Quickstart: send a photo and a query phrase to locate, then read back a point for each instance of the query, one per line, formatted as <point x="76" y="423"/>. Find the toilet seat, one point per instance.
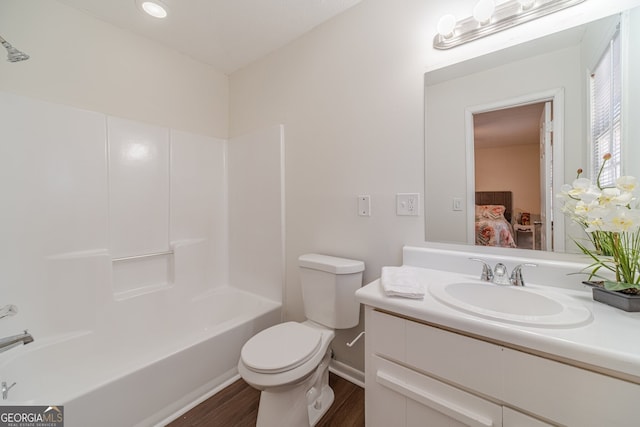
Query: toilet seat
<point x="281" y="348"/>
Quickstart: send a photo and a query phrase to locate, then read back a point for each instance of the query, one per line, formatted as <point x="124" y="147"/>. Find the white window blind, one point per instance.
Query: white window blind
<point x="606" y="105"/>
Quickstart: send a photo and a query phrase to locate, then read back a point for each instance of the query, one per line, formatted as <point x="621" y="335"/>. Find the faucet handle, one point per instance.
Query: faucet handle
<point x="487" y="273"/>
<point x="516" y="275"/>
<point x="8" y="310"/>
<point x="500" y="274"/>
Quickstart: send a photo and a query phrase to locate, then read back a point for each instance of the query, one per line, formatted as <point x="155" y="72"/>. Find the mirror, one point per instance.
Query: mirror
<point x="553" y="67"/>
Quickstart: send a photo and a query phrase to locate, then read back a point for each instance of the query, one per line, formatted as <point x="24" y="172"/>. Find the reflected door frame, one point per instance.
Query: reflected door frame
<point x="556" y="175"/>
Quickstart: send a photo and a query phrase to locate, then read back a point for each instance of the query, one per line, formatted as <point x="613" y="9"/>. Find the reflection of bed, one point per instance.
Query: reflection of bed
<point x="493" y="219"/>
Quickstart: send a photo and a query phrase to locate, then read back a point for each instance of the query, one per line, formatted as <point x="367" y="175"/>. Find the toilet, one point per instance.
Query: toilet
<point x="289" y="362"/>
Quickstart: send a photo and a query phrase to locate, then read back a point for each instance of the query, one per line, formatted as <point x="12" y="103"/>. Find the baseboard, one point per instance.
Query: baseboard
<point x="347" y="372"/>
<point x="197" y="401"/>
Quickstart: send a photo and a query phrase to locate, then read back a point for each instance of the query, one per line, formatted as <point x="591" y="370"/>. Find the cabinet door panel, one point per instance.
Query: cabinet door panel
<point x="511" y="418"/>
<point x="462" y="360"/>
<point x="384" y="406"/>
<point x="423" y="416"/>
<point x="432" y="401"/>
<point x="387" y="335"/>
<point x="567" y="394"/>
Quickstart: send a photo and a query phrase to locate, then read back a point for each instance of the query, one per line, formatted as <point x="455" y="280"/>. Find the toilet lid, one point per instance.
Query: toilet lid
<point x="281" y="348"/>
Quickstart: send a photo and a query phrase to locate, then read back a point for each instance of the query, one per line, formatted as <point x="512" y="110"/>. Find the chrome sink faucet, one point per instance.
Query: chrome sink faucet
<point x="15" y="340"/>
<point x="499" y="274"/>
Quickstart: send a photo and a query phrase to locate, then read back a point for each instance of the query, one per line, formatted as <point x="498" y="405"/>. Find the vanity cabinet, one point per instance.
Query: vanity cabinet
<point x="421" y="375"/>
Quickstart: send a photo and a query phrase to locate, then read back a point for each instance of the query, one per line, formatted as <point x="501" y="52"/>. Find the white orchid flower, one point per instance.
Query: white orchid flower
<point x="624" y="199"/>
<point x="627" y="183"/>
<point x="609" y="197"/>
<point x="583" y="209"/>
<point x="579" y="187"/>
<point x="592" y="194"/>
<point x="621" y="220"/>
<point x="594" y="224"/>
<point x="611" y="218"/>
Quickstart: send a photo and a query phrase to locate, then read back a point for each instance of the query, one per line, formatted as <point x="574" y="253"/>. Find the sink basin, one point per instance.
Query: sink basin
<point x="512" y="304"/>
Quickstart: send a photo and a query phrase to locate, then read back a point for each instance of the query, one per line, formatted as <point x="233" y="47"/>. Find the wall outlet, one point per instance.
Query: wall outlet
<point x="364" y="205"/>
<point x="408" y="204"/>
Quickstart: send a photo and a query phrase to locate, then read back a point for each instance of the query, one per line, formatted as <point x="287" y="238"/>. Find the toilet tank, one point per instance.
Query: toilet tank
<point x="328" y="289"/>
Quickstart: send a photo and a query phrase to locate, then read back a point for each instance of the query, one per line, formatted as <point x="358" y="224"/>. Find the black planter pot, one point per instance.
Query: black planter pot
<point x="626" y="302"/>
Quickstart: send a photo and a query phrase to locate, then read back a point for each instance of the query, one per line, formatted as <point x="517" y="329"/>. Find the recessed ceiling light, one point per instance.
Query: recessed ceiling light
<point x="154" y="8"/>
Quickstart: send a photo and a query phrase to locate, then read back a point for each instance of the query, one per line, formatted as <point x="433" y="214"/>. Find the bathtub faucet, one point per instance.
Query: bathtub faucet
<point x="5" y="389"/>
<point x="15" y="340"/>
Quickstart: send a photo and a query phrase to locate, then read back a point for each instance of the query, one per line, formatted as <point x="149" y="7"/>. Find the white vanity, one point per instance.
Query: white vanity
<point x="550" y="355"/>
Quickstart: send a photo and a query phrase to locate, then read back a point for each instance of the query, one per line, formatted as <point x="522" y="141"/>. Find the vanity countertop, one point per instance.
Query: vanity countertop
<point x="609" y="342"/>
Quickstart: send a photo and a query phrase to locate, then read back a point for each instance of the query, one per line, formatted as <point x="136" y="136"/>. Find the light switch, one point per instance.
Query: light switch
<point x="364" y="205"/>
<point x="457" y="204"/>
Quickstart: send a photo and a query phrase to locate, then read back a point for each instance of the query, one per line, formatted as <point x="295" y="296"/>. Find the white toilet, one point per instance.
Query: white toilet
<point x="289" y="362"/>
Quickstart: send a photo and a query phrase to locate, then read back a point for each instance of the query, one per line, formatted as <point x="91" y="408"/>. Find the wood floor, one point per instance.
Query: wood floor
<point x="237" y="406"/>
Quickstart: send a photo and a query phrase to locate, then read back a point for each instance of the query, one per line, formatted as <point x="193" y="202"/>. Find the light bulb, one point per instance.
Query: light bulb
<point x="483" y="10"/>
<point x="446" y="25"/>
<point x="526" y="4"/>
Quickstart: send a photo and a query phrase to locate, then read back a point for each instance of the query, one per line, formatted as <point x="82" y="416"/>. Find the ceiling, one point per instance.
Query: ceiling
<point x="510" y="126"/>
<point x="226" y="34"/>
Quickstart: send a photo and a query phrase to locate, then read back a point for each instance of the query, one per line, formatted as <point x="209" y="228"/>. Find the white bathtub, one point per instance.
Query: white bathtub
<point x="123" y="375"/>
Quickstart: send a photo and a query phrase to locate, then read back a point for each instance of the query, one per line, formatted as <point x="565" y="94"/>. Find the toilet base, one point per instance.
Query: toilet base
<point x="297" y="405"/>
<point x="318" y="408"/>
<point x="293" y="409"/>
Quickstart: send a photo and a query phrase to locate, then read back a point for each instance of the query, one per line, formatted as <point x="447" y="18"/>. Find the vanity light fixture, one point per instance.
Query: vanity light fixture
<point x="488" y="19"/>
<point x="154" y="8"/>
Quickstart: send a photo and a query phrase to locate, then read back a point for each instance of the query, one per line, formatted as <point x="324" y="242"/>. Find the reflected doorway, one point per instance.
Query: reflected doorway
<point x="512" y="162"/>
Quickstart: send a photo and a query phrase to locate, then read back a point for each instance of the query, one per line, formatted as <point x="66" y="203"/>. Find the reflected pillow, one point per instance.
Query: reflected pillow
<point x="490" y="212"/>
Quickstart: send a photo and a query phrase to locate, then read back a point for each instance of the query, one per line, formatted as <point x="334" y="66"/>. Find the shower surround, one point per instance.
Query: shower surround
<point x="118" y="246"/>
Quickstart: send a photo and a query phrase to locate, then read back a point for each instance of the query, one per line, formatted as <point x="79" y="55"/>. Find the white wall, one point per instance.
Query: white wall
<point x="256" y="211"/>
<point x="81" y="61"/>
<point x="350" y="97"/>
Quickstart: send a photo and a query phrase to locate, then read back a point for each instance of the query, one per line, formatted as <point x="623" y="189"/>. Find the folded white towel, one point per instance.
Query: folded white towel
<point x="401" y="282"/>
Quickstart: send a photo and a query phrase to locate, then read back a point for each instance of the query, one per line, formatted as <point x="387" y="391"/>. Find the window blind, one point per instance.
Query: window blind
<point x="606" y="102"/>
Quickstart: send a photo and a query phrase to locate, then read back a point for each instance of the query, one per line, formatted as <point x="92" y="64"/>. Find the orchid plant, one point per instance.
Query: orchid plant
<point x="610" y="216"/>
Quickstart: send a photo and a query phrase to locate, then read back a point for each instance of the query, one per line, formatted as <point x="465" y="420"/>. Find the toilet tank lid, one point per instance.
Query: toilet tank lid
<point x="330" y="264"/>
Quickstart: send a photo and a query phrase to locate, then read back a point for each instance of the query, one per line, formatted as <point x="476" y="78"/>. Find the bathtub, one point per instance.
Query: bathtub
<point x="141" y="373"/>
